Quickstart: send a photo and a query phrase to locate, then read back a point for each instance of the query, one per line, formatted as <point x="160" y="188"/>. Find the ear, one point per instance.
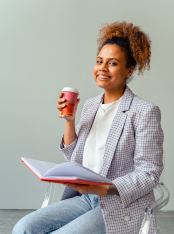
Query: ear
<point x="130" y="71"/>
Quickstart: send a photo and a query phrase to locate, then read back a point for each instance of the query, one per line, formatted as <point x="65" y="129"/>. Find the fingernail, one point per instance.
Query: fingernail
<point x="63" y="99"/>
<point x="63" y="104"/>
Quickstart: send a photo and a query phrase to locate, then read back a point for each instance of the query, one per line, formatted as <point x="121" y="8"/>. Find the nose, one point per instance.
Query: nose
<point x="103" y="67"/>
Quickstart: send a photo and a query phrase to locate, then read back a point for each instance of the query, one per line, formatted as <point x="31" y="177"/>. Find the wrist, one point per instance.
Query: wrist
<point x="70" y="122"/>
<point x="107" y="188"/>
<point x="103" y="190"/>
<point x="112" y="190"/>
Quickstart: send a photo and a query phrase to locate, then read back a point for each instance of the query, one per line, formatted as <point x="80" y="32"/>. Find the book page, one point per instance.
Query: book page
<point x="37" y="166"/>
<point x="76" y="171"/>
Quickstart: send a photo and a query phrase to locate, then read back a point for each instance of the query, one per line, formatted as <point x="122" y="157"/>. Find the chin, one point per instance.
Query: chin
<point x="101" y="84"/>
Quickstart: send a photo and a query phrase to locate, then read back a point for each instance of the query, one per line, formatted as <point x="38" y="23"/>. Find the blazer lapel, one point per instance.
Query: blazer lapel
<point x="115" y="130"/>
<point x="114" y="133"/>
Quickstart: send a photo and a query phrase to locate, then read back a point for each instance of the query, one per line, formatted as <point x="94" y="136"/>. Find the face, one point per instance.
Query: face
<point x="110" y="72"/>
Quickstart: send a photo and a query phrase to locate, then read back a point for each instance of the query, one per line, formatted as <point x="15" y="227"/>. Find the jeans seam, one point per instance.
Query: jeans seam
<point x="52" y="229"/>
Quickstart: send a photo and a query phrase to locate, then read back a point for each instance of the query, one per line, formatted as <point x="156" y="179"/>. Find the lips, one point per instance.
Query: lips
<point x="103" y="77"/>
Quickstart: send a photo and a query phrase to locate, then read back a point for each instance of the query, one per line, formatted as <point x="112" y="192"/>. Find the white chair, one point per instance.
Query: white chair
<point x="49" y="196"/>
<point x="162" y="196"/>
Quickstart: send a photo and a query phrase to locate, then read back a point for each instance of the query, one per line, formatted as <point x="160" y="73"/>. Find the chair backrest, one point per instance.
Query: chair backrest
<point x="163" y="195"/>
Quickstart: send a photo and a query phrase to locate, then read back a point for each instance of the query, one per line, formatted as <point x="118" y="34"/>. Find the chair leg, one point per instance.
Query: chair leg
<point x="49" y="196"/>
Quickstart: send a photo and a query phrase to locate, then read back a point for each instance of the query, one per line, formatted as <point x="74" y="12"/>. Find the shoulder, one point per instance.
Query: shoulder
<point x="143" y="110"/>
<point x="136" y="107"/>
<point x="143" y="106"/>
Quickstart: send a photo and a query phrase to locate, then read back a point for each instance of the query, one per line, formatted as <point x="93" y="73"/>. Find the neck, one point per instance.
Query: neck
<point x="113" y="95"/>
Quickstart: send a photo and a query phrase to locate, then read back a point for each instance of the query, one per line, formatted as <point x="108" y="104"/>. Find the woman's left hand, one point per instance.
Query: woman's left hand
<point x="91" y="189"/>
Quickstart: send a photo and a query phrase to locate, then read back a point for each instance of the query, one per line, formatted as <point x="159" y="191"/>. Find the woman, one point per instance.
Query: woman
<point x="119" y="136"/>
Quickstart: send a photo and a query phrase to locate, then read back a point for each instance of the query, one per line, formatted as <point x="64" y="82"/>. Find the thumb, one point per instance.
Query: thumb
<point x="78" y="100"/>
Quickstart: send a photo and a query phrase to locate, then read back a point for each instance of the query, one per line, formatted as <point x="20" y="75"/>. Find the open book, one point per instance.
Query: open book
<point x="70" y="172"/>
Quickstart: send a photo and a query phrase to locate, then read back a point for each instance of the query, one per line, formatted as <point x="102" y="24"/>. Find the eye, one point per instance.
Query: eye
<point x="98" y="61"/>
<point x="112" y="63"/>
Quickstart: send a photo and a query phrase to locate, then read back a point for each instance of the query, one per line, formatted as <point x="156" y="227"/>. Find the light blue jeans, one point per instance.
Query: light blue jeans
<point x="78" y="215"/>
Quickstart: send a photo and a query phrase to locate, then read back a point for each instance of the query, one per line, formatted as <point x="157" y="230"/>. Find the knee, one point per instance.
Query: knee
<point x="22" y="227"/>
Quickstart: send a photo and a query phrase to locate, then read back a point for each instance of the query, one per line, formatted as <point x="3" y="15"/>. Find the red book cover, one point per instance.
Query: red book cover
<point x="70" y="172"/>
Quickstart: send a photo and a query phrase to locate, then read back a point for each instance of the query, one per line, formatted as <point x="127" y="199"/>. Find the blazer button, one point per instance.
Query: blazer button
<point x="127" y="218"/>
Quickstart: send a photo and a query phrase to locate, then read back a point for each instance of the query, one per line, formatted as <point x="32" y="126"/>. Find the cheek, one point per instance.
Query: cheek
<point x="117" y="72"/>
<point x="95" y="70"/>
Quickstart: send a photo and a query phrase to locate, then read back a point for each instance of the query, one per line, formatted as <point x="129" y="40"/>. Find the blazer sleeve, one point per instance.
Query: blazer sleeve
<point x="148" y="158"/>
<point x="68" y="150"/>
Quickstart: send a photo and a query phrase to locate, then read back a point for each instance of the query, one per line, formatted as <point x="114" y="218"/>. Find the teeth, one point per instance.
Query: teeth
<point x="105" y="77"/>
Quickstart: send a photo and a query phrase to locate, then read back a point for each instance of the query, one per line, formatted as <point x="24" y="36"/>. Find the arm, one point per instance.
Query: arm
<point x="148" y="158"/>
<point x="102" y="190"/>
<point x="70" y="136"/>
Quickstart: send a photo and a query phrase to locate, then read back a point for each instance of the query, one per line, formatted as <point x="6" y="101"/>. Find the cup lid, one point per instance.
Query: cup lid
<point x="70" y="89"/>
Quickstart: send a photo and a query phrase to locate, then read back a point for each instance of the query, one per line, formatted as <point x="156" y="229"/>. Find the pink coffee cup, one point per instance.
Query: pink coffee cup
<point x="70" y="94"/>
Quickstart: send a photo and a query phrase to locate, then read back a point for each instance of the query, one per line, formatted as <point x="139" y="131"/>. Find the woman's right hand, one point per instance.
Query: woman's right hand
<point x="62" y="104"/>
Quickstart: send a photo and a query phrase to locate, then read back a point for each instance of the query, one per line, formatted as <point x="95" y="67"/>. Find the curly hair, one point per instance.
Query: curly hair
<point x="135" y="43"/>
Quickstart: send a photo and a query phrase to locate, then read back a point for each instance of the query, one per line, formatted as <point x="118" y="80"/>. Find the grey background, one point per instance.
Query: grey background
<point x="48" y="44"/>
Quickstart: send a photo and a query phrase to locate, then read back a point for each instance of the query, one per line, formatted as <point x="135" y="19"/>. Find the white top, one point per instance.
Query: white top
<point x="96" y="139"/>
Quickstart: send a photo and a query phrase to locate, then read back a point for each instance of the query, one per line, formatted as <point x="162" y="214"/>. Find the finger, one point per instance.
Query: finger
<point x="61" y="116"/>
<point x="77" y="103"/>
<point x="77" y="187"/>
<point x="61" y="95"/>
<point x="78" y="100"/>
<point x="61" y="100"/>
<point x="69" y="117"/>
<point x="72" y="185"/>
<point x="60" y="107"/>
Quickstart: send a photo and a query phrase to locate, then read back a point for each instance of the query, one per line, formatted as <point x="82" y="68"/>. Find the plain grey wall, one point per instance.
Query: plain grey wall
<point x="48" y="44"/>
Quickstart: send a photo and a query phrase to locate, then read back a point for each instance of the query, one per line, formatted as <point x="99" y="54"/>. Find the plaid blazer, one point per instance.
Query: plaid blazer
<point x="133" y="160"/>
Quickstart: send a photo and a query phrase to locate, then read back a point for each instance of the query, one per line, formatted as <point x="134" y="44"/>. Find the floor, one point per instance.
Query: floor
<point x="8" y="218"/>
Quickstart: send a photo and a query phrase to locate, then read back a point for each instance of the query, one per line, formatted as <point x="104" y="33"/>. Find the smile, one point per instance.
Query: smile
<point x="100" y="77"/>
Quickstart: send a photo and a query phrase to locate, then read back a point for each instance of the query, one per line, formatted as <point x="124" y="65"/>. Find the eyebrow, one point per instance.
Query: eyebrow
<point x="109" y="58"/>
